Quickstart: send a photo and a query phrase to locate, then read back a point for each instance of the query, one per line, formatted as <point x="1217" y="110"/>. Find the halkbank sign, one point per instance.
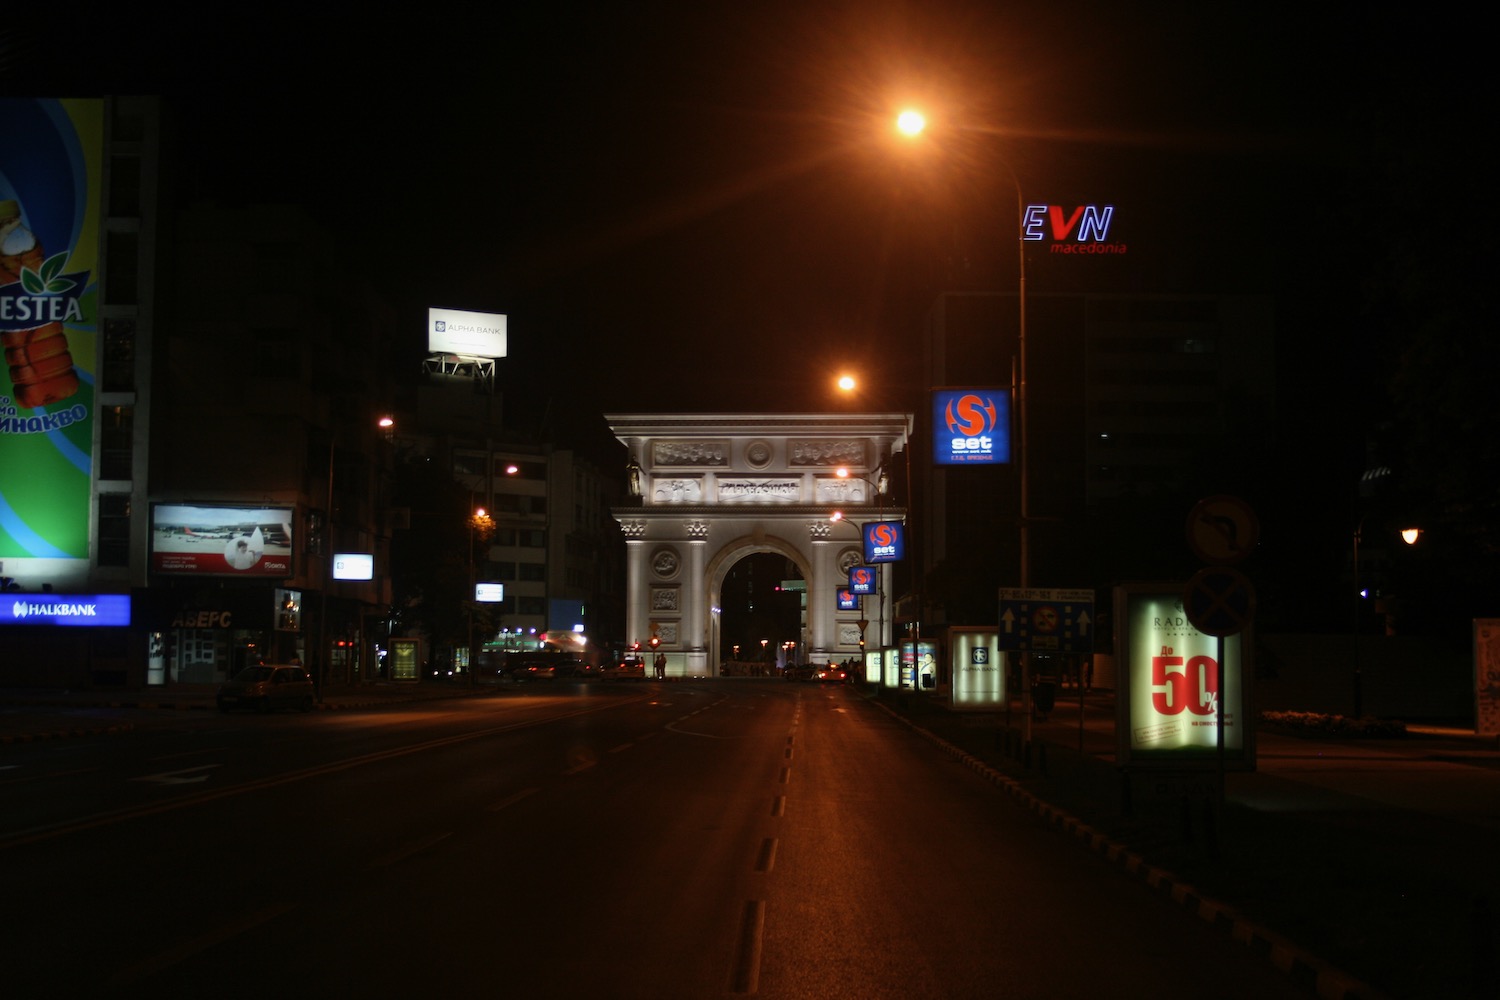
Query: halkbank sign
<point x="50" y="220"/>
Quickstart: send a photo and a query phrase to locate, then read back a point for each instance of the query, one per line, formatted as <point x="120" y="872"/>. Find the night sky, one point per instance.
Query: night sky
<point x="708" y="195"/>
<point x="685" y="205"/>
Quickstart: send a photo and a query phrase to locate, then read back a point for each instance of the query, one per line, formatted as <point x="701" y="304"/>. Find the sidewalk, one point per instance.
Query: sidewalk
<point x="1362" y="868"/>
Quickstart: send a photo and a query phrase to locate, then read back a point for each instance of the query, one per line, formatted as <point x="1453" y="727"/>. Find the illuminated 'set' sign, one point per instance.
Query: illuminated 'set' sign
<point x="1083" y="230"/>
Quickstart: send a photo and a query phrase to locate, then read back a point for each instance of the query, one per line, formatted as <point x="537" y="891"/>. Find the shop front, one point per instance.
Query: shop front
<point x="202" y="634"/>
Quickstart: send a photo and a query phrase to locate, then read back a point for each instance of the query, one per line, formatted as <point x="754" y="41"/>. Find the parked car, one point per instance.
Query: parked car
<point x="532" y="667"/>
<point x="831" y="673"/>
<point x="626" y="668"/>
<point x="582" y="670"/>
<point x="268" y="686"/>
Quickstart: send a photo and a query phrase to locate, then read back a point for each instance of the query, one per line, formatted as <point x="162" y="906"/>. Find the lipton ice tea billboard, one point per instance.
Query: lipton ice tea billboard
<point x="1172" y="681"/>
<point x="50" y="221"/>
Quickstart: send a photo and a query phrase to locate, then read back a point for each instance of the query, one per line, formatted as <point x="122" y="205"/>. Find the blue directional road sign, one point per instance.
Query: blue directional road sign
<point x="1045" y="620"/>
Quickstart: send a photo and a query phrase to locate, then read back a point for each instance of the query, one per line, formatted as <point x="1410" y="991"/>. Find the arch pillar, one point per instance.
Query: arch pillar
<point x="824" y="579"/>
<point x="697" y="605"/>
<point x="637" y="624"/>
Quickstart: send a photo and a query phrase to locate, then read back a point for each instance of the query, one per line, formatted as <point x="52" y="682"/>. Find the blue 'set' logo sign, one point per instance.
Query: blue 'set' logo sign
<point x="970" y="425"/>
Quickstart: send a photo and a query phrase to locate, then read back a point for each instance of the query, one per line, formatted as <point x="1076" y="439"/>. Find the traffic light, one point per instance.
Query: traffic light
<point x="655" y="641"/>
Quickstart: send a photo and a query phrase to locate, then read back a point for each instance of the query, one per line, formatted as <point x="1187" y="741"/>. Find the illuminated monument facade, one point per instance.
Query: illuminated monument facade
<point x="711" y="489"/>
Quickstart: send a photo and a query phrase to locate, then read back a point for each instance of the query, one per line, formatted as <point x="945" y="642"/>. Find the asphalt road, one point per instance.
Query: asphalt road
<point x="729" y="838"/>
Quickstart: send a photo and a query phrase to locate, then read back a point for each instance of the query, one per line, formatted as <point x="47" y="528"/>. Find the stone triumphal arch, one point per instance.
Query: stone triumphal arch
<point x="709" y="489"/>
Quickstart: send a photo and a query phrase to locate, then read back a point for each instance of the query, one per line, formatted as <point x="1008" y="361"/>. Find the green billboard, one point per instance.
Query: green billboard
<point x="51" y="181"/>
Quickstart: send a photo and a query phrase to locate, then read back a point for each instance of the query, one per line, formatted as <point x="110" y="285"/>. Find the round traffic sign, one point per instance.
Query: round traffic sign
<point x="1222" y="529"/>
<point x="1219" y="601"/>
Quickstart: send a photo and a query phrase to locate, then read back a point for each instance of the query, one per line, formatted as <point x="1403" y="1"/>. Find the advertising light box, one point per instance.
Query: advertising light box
<point x="1171" y="679"/>
<point x="353" y="566"/>
<point x="213" y="540"/>
<point x="50" y="228"/>
<point x="862" y="579"/>
<point x="847" y="600"/>
<point x="970" y="426"/>
<point x="919" y="663"/>
<point x="489" y="593"/>
<point x="976" y="668"/>
<point x="454" y="331"/>
<point x="885" y="541"/>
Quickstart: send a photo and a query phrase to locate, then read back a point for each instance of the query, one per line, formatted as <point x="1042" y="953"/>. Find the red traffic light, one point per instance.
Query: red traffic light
<point x="655" y="642"/>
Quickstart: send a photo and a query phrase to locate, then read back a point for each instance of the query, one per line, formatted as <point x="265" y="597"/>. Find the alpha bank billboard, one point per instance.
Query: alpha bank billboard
<point x="454" y="331"/>
<point x="50" y="218"/>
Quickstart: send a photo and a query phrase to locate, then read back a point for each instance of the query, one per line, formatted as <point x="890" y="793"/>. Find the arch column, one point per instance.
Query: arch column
<point x="697" y="600"/>
<point x="819" y="605"/>
<point x="637" y="624"/>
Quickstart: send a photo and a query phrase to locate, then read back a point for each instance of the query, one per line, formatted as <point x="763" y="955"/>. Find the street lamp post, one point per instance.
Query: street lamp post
<point x="881" y="485"/>
<point x="1409" y="536"/>
<point x="912" y="123"/>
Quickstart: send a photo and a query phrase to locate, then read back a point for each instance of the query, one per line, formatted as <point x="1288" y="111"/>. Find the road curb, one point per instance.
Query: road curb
<point x="1297" y="963"/>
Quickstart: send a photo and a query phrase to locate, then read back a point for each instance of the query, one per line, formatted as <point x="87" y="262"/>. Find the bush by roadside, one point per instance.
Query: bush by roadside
<point x="1322" y="724"/>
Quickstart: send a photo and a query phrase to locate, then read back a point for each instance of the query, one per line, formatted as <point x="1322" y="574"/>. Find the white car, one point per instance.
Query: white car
<point x="627" y="668"/>
<point x="268" y="686"/>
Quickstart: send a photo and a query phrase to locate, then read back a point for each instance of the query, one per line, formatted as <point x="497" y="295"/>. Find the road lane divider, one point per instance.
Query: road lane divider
<point x="512" y="799"/>
<point x="766" y="860"/>
<point x="409" y="851"/>
<point x="746" y="977"/>
<point x="187" y="949"/>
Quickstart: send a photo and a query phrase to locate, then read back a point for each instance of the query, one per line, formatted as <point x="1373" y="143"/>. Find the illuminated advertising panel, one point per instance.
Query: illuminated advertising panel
<point x="862" y="579"/>
<point x="86" y="610"/>
<point x="885" y="541"/>
<point x="847" y="600"/>
<point x="890" y="667"/>
<point x="489" y="593"/>
<point x="453" y="331"/>
<point x="919" y="660"/>
<point x="50" y="188"/>
<point x="970" y="426"/>
<point x="353" y="566"/>
<point x="1172" y="678"/>
<point x="872" y="666"/>
<point x="210" y="540"/>
<point x="976" y="668"/>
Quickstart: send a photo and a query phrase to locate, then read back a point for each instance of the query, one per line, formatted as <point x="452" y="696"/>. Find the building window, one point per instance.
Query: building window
<point x="124" y="263"/>
<point x="114" y="529"/>
<point x="125" y="186"/>
<point x="119" y="355"/>
<point x="503" y="571"/>
<point x="512" y="468"/>
<point x="531" y="605"/>
<point x="468" y="463"/>
<point x="533" y="572"/>
<point x="533" y="539"/>
<point x="116" y="434"/>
